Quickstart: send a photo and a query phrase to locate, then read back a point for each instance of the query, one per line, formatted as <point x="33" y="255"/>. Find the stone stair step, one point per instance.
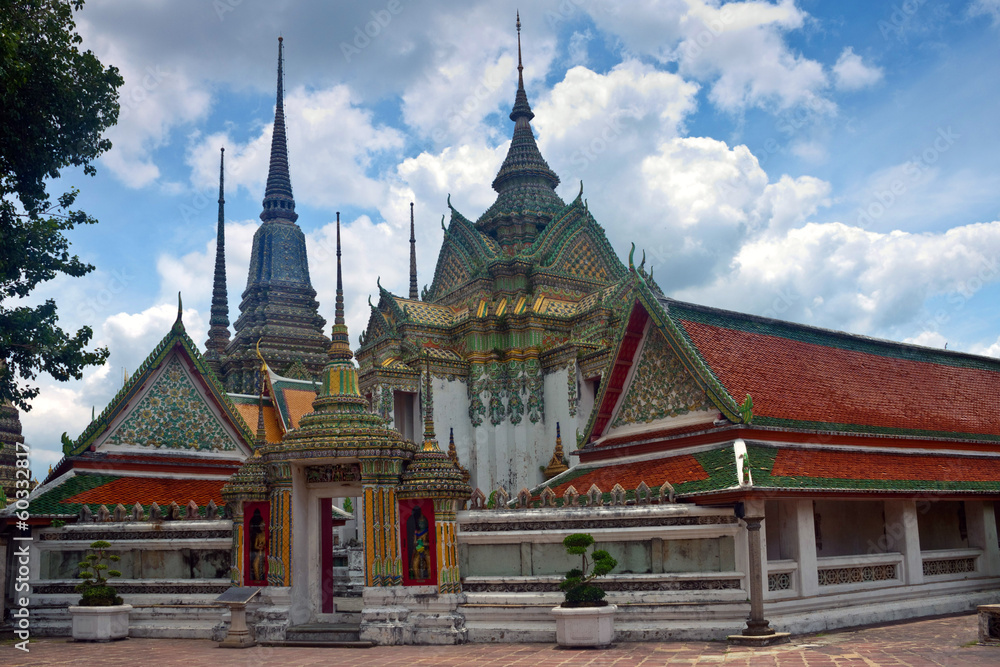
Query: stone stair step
<point x="324" y="632"/>
<point x="320" y="644"/>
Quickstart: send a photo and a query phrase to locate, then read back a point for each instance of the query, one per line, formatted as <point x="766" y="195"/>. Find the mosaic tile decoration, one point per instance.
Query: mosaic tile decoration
<point x="660" y="387"/>
<point x="172" y="414"/>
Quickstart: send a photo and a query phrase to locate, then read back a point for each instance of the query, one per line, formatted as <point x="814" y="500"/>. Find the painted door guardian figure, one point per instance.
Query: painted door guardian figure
<point x="417" y="542"/>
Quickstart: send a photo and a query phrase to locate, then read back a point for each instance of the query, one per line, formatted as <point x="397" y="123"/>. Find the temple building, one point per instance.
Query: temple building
<point x="749" y="475"/>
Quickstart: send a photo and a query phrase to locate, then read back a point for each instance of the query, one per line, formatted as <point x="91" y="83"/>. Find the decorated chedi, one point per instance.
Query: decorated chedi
<point x="10" y="439"/>
<point x="341" y="428"/>
<point x="279" y="312"/>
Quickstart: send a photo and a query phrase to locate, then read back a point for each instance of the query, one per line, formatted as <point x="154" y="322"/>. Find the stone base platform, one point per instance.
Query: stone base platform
<point x="759" y="640"/>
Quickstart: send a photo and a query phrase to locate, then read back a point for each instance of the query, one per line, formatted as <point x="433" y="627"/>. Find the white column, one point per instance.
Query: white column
<point x="902" y="535"/>
<point x="983" y="535"/>
<point x="805" y="538"/>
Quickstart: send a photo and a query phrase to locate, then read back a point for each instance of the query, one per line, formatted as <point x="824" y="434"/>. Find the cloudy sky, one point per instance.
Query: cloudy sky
<point x="830" y="163"/>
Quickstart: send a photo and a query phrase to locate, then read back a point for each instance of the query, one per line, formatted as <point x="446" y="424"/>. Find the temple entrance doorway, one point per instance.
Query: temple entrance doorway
<point x="325" y="543"/>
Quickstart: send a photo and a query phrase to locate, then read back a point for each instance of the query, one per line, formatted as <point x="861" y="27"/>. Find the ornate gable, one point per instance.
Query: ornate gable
<point x="660" y="387"/>
<point x="171" y="414"/>
<point x="463" y="252"/>
<point x="173" y="395"/>
<point x="575" y="245"/>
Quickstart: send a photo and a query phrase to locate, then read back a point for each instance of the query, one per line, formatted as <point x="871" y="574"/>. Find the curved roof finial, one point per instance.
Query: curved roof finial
<point x="180" y="308"/>
<point x="443" y="228"/>
<point x="631" y="264"/>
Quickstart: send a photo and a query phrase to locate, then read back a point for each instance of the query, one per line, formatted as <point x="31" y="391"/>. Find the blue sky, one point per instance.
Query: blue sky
<point x="830" y="163"/>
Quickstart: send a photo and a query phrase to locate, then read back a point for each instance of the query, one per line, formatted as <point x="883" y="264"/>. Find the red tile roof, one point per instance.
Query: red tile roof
<point x="676" y="470"/>
<point x="821" y="382"/>
<point x="146" y="490"/>
<point x="879" y="466"/>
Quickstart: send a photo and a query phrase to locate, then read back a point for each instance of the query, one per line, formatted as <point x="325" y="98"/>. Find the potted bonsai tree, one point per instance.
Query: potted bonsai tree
<point x="585" y="619"/>
<point x="101" y="614"/>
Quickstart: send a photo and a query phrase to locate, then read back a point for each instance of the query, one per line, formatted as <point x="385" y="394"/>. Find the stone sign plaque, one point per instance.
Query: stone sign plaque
<point x="239" y="595"/>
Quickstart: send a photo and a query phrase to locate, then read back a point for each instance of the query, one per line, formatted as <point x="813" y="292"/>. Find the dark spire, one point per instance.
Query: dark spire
<point x="340" y="347"/>
<point x="525" y="185"/>
<point x="413" y="259"/>
<point x="218" y="323"/>
<point x="279" y="305"/>
<point x="278" y="201"/>
<point x="521" y="107"/>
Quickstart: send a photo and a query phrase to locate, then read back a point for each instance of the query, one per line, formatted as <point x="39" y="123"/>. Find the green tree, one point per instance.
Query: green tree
<point x="55" y="103"/>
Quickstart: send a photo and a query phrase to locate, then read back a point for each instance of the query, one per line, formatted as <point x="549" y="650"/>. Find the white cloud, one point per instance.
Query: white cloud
<point x="989" y="8"/>
<point x="737" y="47"/>
<point x="851" y="73"/>
<point x="854" y="279"/>
<point x="927" y="339"/>
<point x="332" y="144"/>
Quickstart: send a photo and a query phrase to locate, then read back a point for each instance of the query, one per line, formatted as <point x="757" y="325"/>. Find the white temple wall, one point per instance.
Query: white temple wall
<point x="505" y="454"/>
<point x="451" y="411"/>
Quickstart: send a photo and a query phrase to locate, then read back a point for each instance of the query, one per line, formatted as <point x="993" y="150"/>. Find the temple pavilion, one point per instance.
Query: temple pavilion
<point x="748" y="474"/>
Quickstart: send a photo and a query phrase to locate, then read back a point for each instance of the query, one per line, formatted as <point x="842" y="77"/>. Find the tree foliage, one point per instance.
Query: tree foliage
<point x="55" y="103"/>
<point x="94" y="589"/>
<point x="577" y="586"/>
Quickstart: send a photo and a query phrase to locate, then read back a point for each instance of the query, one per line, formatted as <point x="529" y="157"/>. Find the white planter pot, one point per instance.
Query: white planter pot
<point x="585" y="626"/>
<point x="100" y="624"/>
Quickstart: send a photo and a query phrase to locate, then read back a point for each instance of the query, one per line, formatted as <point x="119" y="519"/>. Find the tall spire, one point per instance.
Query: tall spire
<point x="279" y="306"/>
<point x="340" y="347"/>
<point x="413" y="259"/>
<point x="278" y="201"/>
<point x="525" y="185"/>
<point x="521" y="107"/>
<point x="218" y="323"/>
<point x="430" y="439"/>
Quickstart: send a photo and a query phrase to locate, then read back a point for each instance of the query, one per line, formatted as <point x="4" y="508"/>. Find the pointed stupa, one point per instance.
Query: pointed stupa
<point x="218" y="323"/>
<point x="10" y="440"/>
<point x="279" y="306"/>
<point x="340" y="423"/>
<point x="413" y="259"/>
<point x="526" y="197"/>
<point x="556" y="464"/>
<point x="432" y="474"/>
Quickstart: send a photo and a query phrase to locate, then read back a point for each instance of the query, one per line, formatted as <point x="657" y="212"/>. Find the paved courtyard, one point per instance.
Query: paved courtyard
<point x="942" y="641"/>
